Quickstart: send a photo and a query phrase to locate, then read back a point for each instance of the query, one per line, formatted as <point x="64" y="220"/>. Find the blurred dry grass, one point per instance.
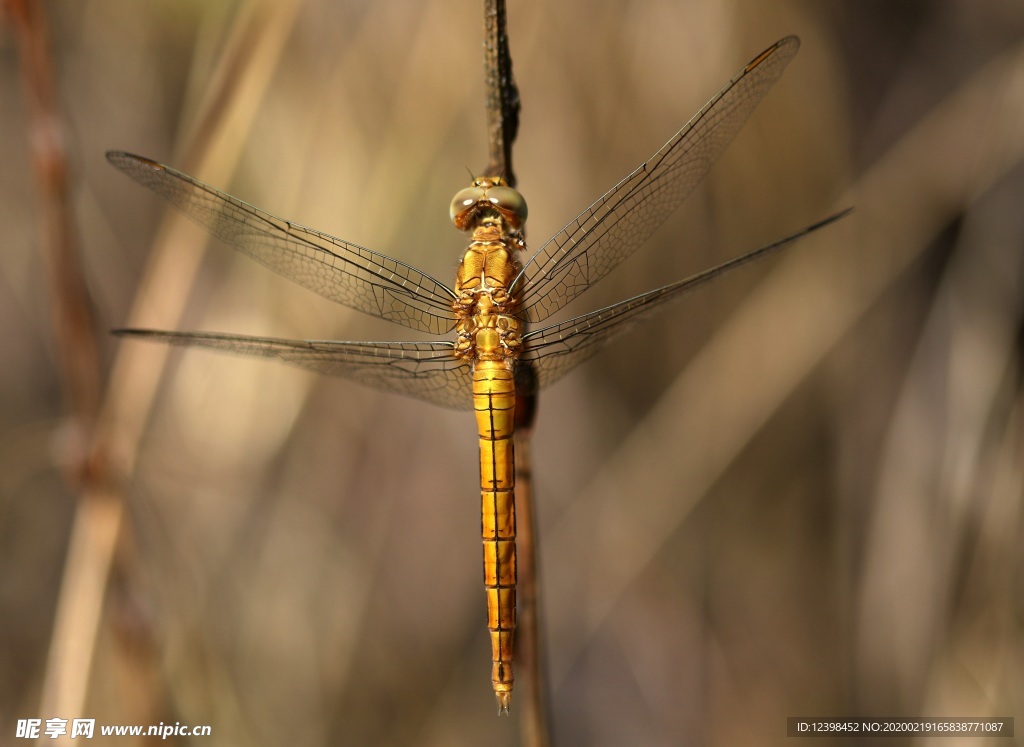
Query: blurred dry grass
<point x="798" y="493"/>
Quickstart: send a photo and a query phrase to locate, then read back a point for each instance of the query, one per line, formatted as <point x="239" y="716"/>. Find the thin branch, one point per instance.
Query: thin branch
<point x="502" y="94"/>
<point x="529" y="651"/>
<point x="99" y="509"/>
<point x="71" y="308"/>
<point x="502" y="128"/>
<point x="108" y="432"/>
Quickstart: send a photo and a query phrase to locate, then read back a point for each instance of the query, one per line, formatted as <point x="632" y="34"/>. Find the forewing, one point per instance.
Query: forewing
<point x="611" y="229"/>
<point x="559" y="348"/>
<point x="349" y="274"/>
<point x="424" y="370"/>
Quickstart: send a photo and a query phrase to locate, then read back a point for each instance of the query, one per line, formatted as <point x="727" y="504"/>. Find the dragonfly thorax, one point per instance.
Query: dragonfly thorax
<point x="486" y="305"/>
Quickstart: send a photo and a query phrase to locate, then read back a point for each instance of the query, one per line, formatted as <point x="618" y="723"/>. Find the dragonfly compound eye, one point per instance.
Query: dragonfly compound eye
<point x="474" y="201"/>
<point x="463" y="205"/>
<point x="509" y="203"/>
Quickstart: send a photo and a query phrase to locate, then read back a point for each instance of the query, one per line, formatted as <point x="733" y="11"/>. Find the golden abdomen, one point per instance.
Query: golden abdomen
<point x="494" y="403"/>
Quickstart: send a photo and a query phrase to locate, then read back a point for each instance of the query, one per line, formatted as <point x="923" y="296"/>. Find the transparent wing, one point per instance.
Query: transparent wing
<point x="611" y="229"/>
<point x="349" y="274"/>
<point x="556" y="350"/>
<point x="424" y="370"/>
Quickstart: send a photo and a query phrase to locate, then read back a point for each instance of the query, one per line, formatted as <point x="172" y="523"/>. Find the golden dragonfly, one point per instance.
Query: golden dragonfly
<point x="496" y="299"/>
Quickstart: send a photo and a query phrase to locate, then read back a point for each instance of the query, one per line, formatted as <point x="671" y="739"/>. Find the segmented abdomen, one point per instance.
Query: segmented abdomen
<point x="494" y="402"/>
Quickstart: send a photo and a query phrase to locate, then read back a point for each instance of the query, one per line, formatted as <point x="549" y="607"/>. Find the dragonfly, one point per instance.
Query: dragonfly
<point x="496" y="307"/>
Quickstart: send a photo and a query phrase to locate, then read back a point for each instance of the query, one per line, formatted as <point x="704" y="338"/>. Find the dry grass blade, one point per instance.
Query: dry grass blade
<point x="229" y="105"/>
<point x="73" y="319"/>
<point x="98" y="512"/>
<point x="711" y="389"/>
<point x="99" y="523"/>
<point x="937" y="500"/>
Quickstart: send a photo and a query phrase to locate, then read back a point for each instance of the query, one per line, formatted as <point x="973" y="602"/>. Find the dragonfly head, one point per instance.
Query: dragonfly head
<point x="489" y="199"/>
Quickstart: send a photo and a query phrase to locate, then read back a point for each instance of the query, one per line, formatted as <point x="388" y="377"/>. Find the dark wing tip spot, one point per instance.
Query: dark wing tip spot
<point x="120" y="157"/>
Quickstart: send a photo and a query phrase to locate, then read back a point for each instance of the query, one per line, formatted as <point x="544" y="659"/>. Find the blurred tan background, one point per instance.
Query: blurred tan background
<point x="796" y="493"/>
